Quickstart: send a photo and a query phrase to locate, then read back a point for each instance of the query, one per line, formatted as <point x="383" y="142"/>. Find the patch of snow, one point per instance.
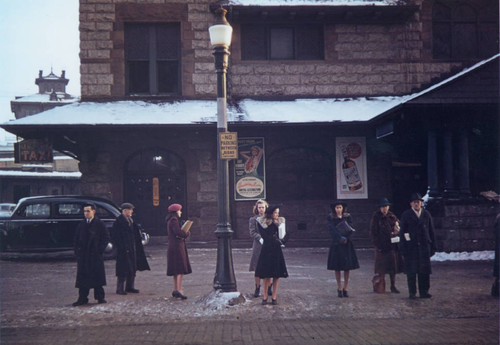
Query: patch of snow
<point x="463" y="256"/>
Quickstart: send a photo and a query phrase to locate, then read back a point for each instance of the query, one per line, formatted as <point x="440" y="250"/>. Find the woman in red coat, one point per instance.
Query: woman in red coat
<point x="177" y="257"/>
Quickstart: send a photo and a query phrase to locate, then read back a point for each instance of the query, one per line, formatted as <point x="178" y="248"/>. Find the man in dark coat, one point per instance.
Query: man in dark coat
<point x="130" y="256"/>
<point x="91" y="239"/>
<point x="417" y="246"/>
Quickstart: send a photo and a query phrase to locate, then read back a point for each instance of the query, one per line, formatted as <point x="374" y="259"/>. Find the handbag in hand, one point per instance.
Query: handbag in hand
<point x="344" y="229"/>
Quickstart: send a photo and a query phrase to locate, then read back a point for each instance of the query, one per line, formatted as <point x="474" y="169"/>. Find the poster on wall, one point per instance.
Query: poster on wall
<point x="351" y="168"/>
<point x="249" y="170"/>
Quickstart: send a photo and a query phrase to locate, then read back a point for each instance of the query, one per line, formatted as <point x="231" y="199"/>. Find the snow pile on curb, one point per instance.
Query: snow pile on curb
<point x="474" y="256"/>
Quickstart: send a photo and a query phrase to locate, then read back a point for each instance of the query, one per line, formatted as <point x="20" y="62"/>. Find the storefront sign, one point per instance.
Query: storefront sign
<point x="351" y="168"/>
<point x="249" y="170"/>
<point x="228" y="143"/>
<point x="156" y="191"/>
<point x="33" y="151"/>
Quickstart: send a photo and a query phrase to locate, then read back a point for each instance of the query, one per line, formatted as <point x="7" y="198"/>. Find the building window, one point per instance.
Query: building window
<point x="460" y="31"/>
<point x="282" y="42"/>
<point x="152" y="58"/>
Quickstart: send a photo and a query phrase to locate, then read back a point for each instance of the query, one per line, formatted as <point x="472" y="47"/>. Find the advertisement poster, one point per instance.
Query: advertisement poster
<point x="249" y="170"/>
<point x="351" y="168"/>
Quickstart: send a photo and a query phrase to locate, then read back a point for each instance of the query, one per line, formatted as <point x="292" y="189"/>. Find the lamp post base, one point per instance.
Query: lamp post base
<point x="224" y="279"/>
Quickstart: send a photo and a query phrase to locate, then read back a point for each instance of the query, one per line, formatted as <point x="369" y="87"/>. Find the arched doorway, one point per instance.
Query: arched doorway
<point x="154" y="178"/>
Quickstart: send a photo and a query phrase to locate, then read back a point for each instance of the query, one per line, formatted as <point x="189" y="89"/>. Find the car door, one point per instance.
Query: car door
<point x="29" y="228"/>
<point x="67" y="215"/>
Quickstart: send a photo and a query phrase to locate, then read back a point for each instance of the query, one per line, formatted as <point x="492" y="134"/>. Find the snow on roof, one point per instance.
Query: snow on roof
<point x="195" y="112"/>
<point x="312" y="2"/>
<point x="45" y="98"/>
<point x="452" y="78"/>
<point x="38" y="174"/>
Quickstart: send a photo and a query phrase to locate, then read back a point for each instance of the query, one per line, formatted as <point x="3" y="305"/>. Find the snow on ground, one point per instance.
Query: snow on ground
<point x="463" y="256"/>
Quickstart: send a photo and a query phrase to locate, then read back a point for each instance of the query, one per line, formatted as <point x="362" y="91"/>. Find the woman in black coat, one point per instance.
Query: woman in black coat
<point x="177" y="256"/>
<point x="384" y="230"/>
<point x="271" y="263"/>
<point x="130" y="256"/>
<point x="342" y="256"/>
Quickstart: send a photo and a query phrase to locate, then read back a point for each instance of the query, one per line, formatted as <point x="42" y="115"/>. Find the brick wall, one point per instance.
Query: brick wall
<point x="360" y="60"/>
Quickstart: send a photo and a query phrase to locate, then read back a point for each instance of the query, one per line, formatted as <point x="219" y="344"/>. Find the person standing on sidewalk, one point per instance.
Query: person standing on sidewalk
<point x="342" y="255"/>
<point x="259" y="210"/>
<point x="130" y="256"/>
<point x="91" y="239"/>
<point x="177" y="256"/>
<point x="384" y="231"/>
<point x="418" y="245"/>
<point x="271" y="263"/>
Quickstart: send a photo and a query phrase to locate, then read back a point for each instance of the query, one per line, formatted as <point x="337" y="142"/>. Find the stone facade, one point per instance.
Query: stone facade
<point x="361" y="59"/>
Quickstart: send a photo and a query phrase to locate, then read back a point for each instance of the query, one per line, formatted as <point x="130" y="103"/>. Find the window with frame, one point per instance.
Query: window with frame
<point x="460" y="31"/>
<point x="152" y="58"/>
<point x="282" y="42"/>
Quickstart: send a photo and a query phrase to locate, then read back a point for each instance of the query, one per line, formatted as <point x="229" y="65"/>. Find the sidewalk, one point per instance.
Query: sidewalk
<point x="36" y="306"/>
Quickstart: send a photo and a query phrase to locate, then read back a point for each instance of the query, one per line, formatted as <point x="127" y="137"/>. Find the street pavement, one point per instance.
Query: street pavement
<point x="36" y="297"/>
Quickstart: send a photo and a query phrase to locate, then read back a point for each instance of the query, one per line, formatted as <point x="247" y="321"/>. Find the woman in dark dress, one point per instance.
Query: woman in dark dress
<point x="177" y="257"/>
<point x="271" y="263"/>
<point x="342" y="256"/>
<point x="384" y="230"/>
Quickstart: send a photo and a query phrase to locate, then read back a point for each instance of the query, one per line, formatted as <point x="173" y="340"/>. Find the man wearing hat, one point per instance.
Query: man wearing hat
<point x="418" y="244"/>
<point x="130" y="256"/>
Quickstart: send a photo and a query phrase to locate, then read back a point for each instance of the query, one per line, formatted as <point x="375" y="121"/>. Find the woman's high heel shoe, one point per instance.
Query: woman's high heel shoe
<point x="339" y="293"/>
<point x="344" y="292"/>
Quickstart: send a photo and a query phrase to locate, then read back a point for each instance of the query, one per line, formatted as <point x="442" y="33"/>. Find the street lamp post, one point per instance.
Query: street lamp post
<point x="220" y="38"/>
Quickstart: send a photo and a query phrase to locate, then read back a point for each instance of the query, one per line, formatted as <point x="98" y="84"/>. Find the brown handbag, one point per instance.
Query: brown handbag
<point x="378" y="283"/>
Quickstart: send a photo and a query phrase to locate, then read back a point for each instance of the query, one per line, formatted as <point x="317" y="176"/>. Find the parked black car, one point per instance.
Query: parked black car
<point x="48" y="223"/>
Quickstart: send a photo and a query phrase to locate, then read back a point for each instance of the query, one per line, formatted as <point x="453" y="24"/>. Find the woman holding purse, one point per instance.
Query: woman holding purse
<point x="342" y="256"/>
<point x="384" y="231"/>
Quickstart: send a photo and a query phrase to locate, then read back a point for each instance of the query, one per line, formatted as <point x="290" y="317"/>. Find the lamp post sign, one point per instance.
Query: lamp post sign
<point x="228" y="144"/>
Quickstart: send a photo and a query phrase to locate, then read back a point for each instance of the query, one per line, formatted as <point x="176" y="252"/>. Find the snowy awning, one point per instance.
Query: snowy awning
<point x="44" y="175"/>
<point x="200" y="112"/>
<point x="313" y="2"/>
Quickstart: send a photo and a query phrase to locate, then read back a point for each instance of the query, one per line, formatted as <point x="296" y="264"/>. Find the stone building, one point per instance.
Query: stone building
<point x="406" y="89"/>
<point x="61" y="176"/>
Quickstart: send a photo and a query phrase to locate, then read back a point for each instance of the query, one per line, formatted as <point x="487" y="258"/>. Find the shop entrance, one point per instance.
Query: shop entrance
<point x="154" y="178"/>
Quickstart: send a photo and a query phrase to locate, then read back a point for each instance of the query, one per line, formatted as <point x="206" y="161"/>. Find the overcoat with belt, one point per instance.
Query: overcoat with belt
<point x="417" y="241"/>
<point x="130" y="256"/>
<point x="177" y="255"/>
<point x="91" y="239"/>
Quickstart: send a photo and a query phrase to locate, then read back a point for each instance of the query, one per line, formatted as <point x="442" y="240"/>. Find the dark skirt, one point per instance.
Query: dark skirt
<point x="342" y="257"/>
<point x="271" y="263"/>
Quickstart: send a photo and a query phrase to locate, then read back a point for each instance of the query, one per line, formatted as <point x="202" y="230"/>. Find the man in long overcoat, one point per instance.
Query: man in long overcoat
<point x="418" y="244"/>
<point x="130" y="256"/>
<point x="91" y="239"/>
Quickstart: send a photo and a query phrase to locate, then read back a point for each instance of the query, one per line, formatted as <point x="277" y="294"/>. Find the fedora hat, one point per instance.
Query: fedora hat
<point x="127" y="206"/>
<point x="384" y="202"/>
<point x="416" y="196"/>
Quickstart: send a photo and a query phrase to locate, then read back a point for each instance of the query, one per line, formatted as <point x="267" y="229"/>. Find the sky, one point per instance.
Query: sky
<point x="36" y="35"/>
